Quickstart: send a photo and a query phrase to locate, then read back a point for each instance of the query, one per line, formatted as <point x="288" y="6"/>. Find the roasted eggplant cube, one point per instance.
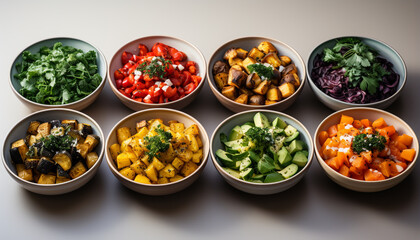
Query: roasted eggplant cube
<point x="77" y="170"/>
<point x="43" y="152"/>
<point x="83" y="149"/>
<point x="63" y="159"/>
<point x="18" y="151"/>
<point x="31" y="163"/>
<point x="84" y="129"/>
<point x="75" y="156"/>
<point x="61" y="173"/>
<point x="33" y="127"/>
<point x="55" y="123"/>
<point x="72" y="123"/>
<point x="44" y="129"/>
<point x="45" y="165"/>
<point x="76" y="135"/>
<point x="92" y="141"/>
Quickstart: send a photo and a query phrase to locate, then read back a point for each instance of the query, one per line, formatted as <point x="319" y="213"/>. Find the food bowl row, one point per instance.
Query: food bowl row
<point x="237" y="86"/>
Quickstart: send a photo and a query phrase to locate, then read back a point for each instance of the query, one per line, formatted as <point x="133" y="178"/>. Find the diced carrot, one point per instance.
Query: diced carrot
<point x="373" y="175"/>
<point x="329" y="153"/>
<point x="394" y="137"/>
<point x="390" y="130"/>
<point x="379" y="123"/>
<point x="366" y="123"/>
<point x="367" y="156"/>
<point x="401" y="146"/>
<point x="393" y="167"/>
<point x="322" y="137"/>
<point x="335" y="142"/>
<point x="326" y="143"/>
<point x="341" y="158"/>
<point x="385" y="169"/>
<point x="405" y="139"/>
<point x="357" y="124"/>
<point x="376" y="163"/>
<point x="332" y="131"/>
<point x="332" y="162"/>
<point x="384" y="152"/>
<point x="340" y="127"/>
<point x="360" y="164"/>
<point x="356" y="176"/>
<point x="346" y="119"/>
<point x="344" y="170"/>
<point x="408" y="154"/>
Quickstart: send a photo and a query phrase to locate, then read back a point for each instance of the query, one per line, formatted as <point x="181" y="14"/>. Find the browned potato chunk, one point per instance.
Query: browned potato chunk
<point x="256" y="100"/>
<point x="253" y="80"/>
<point x="221" y="80"/>
<point x="235" y="61"/>
<point x="231" y="53"/>
<point x="292" y="78"/>
<point x="140" y="125"/>
<point x="267" y="47"/>
<point x="272" y="59"/>
<point x="236" y="77"/>
<point x="285" y="60"/>
<point x="273" y="94"/>
<point x="241" y="53"/>
<point x="256" y="54"/>
<point x="262" y="88"/>
<point x="248" y="61"/>
<point x="243" y="98"/>
<point x="287" y="89"/>
<point x="268" y="102"/>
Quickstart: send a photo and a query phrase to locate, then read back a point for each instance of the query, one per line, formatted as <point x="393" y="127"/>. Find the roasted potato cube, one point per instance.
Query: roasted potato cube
<point x="177" y="163"/>
<point x="44" y="129"/>
<point x="151" y="173"/>
<point x="114" y="150"/>
<point x="262" y="88"/>
<point x="77" y="170"/>
<point x="125" y="159"/>
<point x="72" y="123"/>
<point x="168" y="155"/>
<point x="241" y="53"/>
<point x="193" y="129"/>
<point x="237" y="77"/>
<point x="272" y="59"/>
<point x="292" y="78"/>
<point x="273" y="94"/>
<point x="245" y="91"/>
<point x="33" y="127"/>
<point x="221" y="80"/>
<point x="157" y="164"/>
<point x="91" y="159"/>
<point x="92" y="141"/>
<point x="177" y="127"/>
<point x="253" y="80"/>
<point x="248" y="61"/>
<point x="229" y="92"/>
<point x="25" y="174"/>
<point x="61" y="180"/>
<point x="162" y="180"/>
<point x="230" y="53"/>
<point x="235" y="62"/>
<point x="128" y="173"/>
<point x="167" y="172"/>
<point x="138" y="167"/>
<point x="220" y="67"/>
<point x="243" y="98"/>
<point x="76" y="135"/>
<point x="185" y="154"/>
<point x="176" y="178"/>
<point x="136" y="147"/>
<point x="287" y="89"/>
<point x="140" y="125"/>
<point x="83" y="149"/>
<point x="193" y="145"/>
<point x="199" y="142"/>
<point x="268" y="102"/>
<point x="256" y="54"/>
<point x="125" y="145"/>
<point x="122" y="134"/>
<point x="267" y="47"/>
<point x="179" y="140"/>
<point x="188" y="168"/>
<point x="142" y="179"/>
<point x="145" y="160"/>
<point x="256" y="100"/>
<point x="156" y="123"/>
<point x="285" y="60"/>
<point x="46" y="179"/>
<point x="197" y="156"/>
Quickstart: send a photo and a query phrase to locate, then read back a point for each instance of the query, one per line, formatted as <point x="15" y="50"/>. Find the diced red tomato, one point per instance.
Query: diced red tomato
<point x="118" y="74"/>
<point x="143" y="50"/>
<point x="170" y="92"/>
<point x="125" y="57"/>
<point x="189" y="88"/>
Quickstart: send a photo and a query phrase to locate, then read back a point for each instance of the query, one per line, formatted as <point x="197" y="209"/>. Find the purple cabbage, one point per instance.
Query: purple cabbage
<point x="333" y="82"/>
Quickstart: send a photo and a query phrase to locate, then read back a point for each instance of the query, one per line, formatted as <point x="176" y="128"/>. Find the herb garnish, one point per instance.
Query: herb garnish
<point x="58" y="75"/>
<point x="156" y="68"/>
<point x="260" y="136"/>
<point x="52" y="143"/>
<point x="158" y="143"/>
<point x="263" y="71"/>
<point x="363" y="142"/>
<point x="359" y="62"/>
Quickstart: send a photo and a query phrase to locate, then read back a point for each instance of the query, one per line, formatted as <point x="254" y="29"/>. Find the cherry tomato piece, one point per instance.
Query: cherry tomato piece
<point x="143" y="50"/>
<point x="126" y="83"/>
<point x="169" y="92"/>
<point x="189" y="88"/>
<point x="118" y="74"/>
<point x="125" y="57"/>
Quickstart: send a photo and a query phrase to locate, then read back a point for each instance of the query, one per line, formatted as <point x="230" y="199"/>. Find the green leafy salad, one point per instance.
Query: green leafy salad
<point x="263" y="152"/>
<point x="57" y="75"/>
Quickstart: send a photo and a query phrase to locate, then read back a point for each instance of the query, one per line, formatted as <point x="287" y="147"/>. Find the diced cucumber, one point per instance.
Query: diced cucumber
<point x="234" y="144"/>
<point x="261" y="121"/>
<point x="265" y="166"/>
<point x="255" y="181"/>
<point x="258" y="177"/>
<point x="305" y="152"/>
<point x="237" y="165"/>
<point x="290" y="130"/>
<point x="300" y="159"/>
<point x="273" y="152"/>
<point x="236" y="133"/>
<point x="245" y="164"/>
<point x="237" y="156"/>
<point x="273" y="177"/>
<point x="284" y="157"/>
<point x="291" y="137"/>
<point x="226" y="161"/>
<point x="254" y="157"/>
<point x="289" y="171"/>
<point x="246" y="173"/>
<point x="278" y="122"/>
<point x="296" y="146"/>
<point x="232" y="172"/>
<point x="246" y="127"/>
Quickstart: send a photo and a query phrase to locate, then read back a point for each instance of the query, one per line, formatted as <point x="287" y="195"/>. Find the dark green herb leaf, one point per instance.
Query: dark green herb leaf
<point x="363" y="142"/>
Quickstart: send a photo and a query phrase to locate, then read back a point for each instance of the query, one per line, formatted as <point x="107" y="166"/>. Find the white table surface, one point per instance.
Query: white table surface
<point x="316" y="208"/>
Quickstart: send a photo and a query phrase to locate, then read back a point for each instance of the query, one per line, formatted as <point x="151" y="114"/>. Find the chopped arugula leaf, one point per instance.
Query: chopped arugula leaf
<point x="57" y="75"/>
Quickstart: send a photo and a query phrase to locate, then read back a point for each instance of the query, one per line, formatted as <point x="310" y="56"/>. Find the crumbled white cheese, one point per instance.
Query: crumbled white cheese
<point x="399" y="168"/>
<point x="352" y="158"/>
<point x="158" y="83"/>
<point x="157" y="89"/>
<point x="344" y="150"/>
<point x="346" y="137"/>
<point x="281" y="68"/>
<point x="137" y="72"/>
<point x="168" y="82"/>
<point x="332" y="148"/>
<point x="136" y="77"/>
<point x="160" y="63"/>
<point x="131" y="62"/>
<point x="348" y="126"/>
<point x="175" y="66"/>
<point x="165" y="87"/>
<point x="180" y="67"/>
<point x="147" y="97"/>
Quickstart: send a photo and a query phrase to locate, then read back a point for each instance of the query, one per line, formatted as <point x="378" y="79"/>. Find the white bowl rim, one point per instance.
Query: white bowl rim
<point x="300" y="88"/>
<point x="315" y="88"/>
<point x="101" y="55"/>
<point x="281" y="114"/>
<point x="58" y="110"/>
<point x="202" y="164"/>
<point x="324" y="165"/>
<point x="203" y="75"/>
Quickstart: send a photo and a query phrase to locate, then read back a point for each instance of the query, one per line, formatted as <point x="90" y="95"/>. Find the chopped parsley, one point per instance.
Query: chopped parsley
<point x="156" y="68"/>
<point x="359" y="62"/>
<point x="260" y="136"/>
<point x="158" y="143"/>
<point x="263" y="71"/>
<point x="363" y="142"/>
<point x="52" y="143"/>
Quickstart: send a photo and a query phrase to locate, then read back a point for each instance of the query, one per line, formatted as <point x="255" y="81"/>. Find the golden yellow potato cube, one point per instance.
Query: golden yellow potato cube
<point x="125" y="159"/>
<point x="125" y="145"/>
<point x="157" y="164"/>
<point x="168" y="155"/>
<point x="46" y="179"/>
<point x="145" y="160"/>
<point x="91" y="159"/>
<point x="138" y="167"/>
<point x="199" y="142"/>
<point x="179" y="140"/>
<point x="151" y="173"/>
<point x="193" y="145"/>
<point x="248" y="61"/>
<point x="141" y="133"/>
<point x="177" y="163"/>
<point x="177" y="127"/>
<point x="197" y="156"/>
<point x="136" y="147"/>
<point x="168" y="172"/>
<point x="162" y="180"/>
<point x="77" y="170"/>
<point x="61" y="180"/>
<point x="256" y="54"/>
<point x="115" y="150"/>
<point x="128" y="173"/>
<point x="122" y="134"/>
<point x="193" y="129"/>
<point x="25" y="174"/>
<point x="188" y="168"/>
<point x="286" y="89"/>
<point x="142" y="179"/>
<point x="176" y="178"/>
<point x="184" y="154"/>
<point x="267" y="47"/>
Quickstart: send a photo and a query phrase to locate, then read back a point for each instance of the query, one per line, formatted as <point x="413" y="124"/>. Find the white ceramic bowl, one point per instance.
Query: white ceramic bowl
<point x="192" y="52"/>
<point x="259" y="188"/>
<point x="166" y="115"/>
<point x="248" y="43"/>
<point x="19" y="131"/>
<point x="66" y="41"/>
<point x="371" y="114"/>
<point x="384" y="51"/>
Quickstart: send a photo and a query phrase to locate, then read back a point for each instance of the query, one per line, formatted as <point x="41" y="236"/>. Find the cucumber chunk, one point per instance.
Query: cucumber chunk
<point x="284" y="157"/>
<point x="261" y="121"/>
<point x="300" y="159"/>
<point x="246" y="173"/>
<point x="290" y="130"/>
<point x="265" y="166"/>
<point x="279" y="123"/>
<point x="236" y="133"/>
<point x="291" y="137"/>
<point x="232" y="172"/>
<point x="296" y="146"/>
<point x="226" y="161"/>
<point x="289" y="171"/>
<point x="245" y="164"/>
<point x="273" y="177"/>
